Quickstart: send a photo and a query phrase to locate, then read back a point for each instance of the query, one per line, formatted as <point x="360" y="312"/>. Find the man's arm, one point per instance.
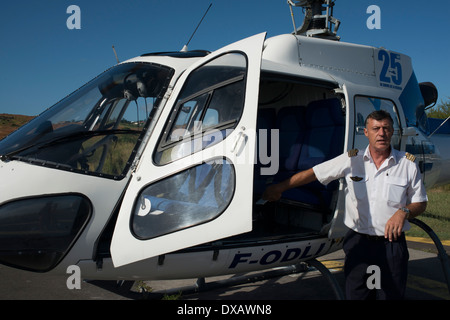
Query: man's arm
<point x="273" y="192"/>
<point x="394" y="226"/>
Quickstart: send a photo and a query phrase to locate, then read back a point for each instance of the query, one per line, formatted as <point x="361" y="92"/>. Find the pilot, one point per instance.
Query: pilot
<point x="383" y="190"/>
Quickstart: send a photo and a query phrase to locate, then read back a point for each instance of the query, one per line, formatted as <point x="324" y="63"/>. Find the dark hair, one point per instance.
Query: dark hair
<point x="380" y="115"/>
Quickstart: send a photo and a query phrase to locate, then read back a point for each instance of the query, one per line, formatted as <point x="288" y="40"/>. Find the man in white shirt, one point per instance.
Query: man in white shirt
<point x="384" y="190"/>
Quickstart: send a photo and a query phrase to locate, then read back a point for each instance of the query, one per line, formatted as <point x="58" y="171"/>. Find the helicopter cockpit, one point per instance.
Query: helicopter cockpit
<point x="97" y="129"/>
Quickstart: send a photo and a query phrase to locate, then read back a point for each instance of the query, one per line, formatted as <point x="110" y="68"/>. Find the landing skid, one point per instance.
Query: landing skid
<point x="442" y="254"/>
<point x="202" y="286"/>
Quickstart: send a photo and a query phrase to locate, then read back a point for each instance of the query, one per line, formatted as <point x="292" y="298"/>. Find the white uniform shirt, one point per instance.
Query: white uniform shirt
<point x="374" y="195"/>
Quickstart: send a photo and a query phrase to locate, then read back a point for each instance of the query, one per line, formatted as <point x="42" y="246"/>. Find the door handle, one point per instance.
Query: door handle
<point x="240" y="142"/>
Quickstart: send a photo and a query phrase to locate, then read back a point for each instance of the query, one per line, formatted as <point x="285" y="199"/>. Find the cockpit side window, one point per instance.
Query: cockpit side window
<point x="211" y="101"/>
<point x="363" y="107"/>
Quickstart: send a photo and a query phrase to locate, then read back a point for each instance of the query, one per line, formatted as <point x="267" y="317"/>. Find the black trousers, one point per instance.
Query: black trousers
<point x="374" y="267"/>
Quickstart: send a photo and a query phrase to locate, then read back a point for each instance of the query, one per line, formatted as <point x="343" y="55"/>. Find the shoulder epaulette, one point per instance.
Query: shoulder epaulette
<point x="410" y="157"/>
<point x="353" y="153"/>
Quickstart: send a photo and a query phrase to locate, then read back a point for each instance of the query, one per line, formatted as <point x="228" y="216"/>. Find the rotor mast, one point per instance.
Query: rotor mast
<point x="319" y="21"/>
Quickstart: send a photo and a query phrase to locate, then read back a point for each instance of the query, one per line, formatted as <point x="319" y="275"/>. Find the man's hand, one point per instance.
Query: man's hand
<point x="272" y="193"/>
<point x="394" y="226"/>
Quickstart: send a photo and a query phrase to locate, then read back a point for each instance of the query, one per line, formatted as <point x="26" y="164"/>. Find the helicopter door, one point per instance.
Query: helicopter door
<point x="194" y="182"/>
<point x="363" y="107"/>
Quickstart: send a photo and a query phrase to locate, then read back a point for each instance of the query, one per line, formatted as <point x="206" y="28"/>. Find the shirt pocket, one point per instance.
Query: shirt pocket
<point x="357" y="187"/>
<point x="396" y="191"/>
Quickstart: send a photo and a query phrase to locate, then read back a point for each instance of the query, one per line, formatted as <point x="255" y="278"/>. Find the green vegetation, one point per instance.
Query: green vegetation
<point x="172" y="297"/>
<point x="440" y="111"/>
<point x="118" y="150"/>
<point x="437" y="215"/>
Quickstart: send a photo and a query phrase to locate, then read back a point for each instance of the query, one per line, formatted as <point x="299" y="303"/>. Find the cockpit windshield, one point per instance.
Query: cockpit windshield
<point x="97" y="129"/>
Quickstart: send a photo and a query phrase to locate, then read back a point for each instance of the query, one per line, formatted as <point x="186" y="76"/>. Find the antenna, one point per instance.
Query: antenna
<point x="115" y="53"/>
<point x="185" y="48"/>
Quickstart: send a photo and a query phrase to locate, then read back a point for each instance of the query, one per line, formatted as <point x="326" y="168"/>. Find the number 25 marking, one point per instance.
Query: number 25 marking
<point x="392" y="68"/>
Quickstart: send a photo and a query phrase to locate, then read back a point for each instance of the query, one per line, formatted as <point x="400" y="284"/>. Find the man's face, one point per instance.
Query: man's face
<point x="379" y="134"/>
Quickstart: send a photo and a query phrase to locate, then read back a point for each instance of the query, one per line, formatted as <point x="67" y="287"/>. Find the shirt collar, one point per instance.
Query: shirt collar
<point x="393" y="155"/>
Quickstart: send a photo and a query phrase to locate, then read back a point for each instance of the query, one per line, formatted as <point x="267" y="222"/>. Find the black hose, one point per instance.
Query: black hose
<point x="442" y="254"/>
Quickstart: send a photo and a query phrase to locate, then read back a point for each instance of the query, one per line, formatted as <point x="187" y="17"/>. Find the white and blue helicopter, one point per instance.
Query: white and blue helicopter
<point x="155" y="169"/>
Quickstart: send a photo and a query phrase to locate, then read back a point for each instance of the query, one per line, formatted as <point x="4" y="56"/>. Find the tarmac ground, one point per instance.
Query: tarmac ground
<point x="426" y="281"/>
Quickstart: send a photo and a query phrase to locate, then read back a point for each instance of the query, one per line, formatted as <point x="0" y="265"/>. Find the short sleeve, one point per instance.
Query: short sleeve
<point x="416" y="190"/>
<point x="331" y="170"/>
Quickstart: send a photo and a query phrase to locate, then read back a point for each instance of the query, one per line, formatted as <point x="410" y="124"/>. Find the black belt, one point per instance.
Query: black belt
<point x="377" y="238"/>
<point x="372" y="238"/>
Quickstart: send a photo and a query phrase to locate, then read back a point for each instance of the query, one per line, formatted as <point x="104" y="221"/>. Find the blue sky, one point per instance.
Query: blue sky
<point x="41" y="60"/>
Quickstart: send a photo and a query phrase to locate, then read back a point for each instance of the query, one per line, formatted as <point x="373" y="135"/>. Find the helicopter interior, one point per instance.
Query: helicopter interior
<point x="309" y="119"/>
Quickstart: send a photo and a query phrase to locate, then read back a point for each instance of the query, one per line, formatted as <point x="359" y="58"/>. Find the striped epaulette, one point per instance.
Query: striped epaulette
<point x="410" y="157"/>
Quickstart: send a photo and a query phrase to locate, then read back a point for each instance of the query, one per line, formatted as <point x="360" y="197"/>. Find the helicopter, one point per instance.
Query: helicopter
<point x="155" y="169"/>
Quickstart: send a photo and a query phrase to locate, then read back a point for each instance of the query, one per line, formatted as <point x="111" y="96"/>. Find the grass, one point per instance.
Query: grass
<point x="437" y="215"/>
<point x="119" y="152"/>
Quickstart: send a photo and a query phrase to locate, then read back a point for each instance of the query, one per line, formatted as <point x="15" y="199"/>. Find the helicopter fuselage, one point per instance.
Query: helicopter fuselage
<point x="155" y="169"/>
